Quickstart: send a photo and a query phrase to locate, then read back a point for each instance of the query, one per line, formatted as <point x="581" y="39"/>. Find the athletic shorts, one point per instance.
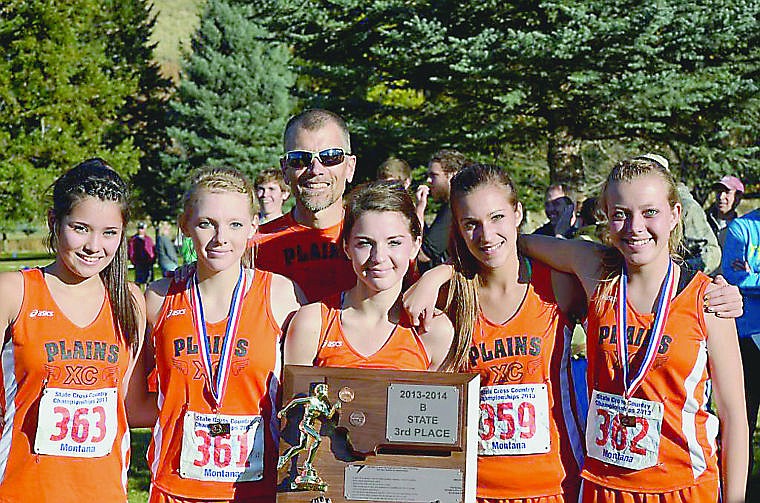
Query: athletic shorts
<point x="159" y="496"/>
<point x="706" y="492"/>
<point x="558" y="498"/>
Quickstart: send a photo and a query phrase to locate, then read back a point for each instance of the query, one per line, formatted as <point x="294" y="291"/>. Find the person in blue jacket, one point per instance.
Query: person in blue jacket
<point x="741" y="267"/>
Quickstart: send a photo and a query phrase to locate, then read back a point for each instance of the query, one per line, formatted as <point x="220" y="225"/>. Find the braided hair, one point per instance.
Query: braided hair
<point x="95" y="178"/>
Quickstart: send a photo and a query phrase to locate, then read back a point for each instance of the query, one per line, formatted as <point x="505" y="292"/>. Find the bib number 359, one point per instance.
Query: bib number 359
<point x="514" y="419"/>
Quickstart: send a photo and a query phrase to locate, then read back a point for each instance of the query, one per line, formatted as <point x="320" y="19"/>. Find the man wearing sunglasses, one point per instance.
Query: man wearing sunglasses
<point x="305" y="244"/>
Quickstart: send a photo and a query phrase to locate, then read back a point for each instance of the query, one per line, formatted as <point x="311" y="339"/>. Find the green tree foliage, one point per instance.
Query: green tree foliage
<point x="60" y="97"/>
<point x="490" y="76"/>
<point x="234" y="99"/>
<point x="142" y="117"/>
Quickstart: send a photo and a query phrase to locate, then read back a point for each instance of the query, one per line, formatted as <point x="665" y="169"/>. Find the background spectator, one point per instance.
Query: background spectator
<point x="187" y="250"/>
<point x="397" y="169"/>
<point x="560" y="210"/>
<point x="142" y="254"/>
<point x="741" y="267"/>
<point x="271" y="192"/>
<point x="435" y="238"/>
<point x="728" y="194"/>
<point x="587" y="221"/>
<point x="165" y="250"/>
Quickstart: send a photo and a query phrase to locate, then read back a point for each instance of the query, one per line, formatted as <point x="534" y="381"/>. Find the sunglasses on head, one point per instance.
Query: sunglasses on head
<point x="299" y="159"/>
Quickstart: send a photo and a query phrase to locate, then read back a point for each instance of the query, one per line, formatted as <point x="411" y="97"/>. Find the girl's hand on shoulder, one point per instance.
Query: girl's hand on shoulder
<point x="184" y="273"/>
<point x="419" y="299"/>
<point x="723" y="299"/>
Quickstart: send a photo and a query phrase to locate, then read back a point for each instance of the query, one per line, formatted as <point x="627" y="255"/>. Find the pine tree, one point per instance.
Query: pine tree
<point x="128" y="25"/>
<point x="59" y="99"/>
<point x="233" y="100"/>
<point x="490" y="76"/>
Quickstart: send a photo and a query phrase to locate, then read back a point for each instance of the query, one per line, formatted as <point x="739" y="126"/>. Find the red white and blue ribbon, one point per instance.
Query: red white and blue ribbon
<point x="217" y="383"/>
<point x="661" y="316"/>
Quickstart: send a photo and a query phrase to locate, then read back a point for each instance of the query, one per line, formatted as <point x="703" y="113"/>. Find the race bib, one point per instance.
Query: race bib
<point x="623" y="437"/>
<point x="514" y="419"/>
<point x="75" y="423"/>
<point x="221" y="448"/>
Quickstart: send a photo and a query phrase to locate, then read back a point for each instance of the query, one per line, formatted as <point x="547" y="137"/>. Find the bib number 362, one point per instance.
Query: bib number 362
<point x="623" y="435"/>
<point x="75" y="423"/>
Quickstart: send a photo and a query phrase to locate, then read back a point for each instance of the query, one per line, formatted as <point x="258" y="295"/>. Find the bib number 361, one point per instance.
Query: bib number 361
<point x="233" y="457"/>
<point x="623" y="435"/>
<point x="75" y="423"/>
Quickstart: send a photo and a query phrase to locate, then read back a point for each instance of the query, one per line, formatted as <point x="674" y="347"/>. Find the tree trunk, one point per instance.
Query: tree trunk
<point x="565" y="161"/>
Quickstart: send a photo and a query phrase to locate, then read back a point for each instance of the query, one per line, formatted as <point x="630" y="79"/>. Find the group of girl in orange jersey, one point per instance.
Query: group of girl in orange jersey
<point x="74" y="358"/>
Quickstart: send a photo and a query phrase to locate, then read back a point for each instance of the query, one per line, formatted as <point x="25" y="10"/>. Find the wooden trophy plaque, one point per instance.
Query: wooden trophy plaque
<point x="386" y="436"/>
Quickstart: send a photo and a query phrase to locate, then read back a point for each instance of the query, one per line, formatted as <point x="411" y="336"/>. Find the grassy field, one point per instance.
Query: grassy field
<point x="139" y="475"/>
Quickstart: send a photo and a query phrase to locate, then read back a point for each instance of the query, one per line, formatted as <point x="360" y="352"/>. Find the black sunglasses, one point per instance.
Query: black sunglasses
<point x="299" y="159"/>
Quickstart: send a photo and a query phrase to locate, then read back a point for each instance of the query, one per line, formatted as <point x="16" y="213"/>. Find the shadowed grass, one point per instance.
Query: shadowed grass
<point x="139" y="474"/>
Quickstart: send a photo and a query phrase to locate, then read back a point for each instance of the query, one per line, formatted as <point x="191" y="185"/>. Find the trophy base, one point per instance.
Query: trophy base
<point x="308" y="480"/>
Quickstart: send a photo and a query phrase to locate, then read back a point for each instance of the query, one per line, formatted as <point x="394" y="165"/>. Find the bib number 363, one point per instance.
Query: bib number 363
<point x="623" y="435"/>
<point x="75" y="423"/>
<point x="233" y="457"/>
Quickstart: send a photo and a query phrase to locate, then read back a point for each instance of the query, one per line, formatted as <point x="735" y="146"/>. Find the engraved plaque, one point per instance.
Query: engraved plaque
<point x="405" y="437"/>
<point x="422" y="414"/>
<point x="402" y="484"/>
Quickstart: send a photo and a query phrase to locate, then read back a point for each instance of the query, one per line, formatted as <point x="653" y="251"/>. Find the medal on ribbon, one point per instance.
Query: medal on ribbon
<point x="217" y="383"/>
<point x="658" y="327"/>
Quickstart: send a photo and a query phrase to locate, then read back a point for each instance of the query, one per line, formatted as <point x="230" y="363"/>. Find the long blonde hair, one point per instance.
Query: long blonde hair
<point x="462" y="304"/>
<point x="625" y="171"/>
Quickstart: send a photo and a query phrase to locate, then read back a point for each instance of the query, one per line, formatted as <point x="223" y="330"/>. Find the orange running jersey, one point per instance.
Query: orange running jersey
<point x="312" y="258"/>
<point x="53" y="365"/>
<point x="402" y="351"/>
<point x="678" y="379"/>
<point x="530" y="444"/>
<point x="251" y="390"/>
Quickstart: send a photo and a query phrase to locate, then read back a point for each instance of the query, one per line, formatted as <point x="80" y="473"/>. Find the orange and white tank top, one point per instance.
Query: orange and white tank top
<point x="312" y="258"/>
<point x="63" y="402"/>
<point x="530" y="444"/>
<point x="402" y="351"/>
<point x="185" y="460"/>
<point x="678" y="379"/>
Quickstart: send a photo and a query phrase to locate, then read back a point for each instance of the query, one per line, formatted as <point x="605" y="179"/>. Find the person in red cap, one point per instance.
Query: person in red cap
<point x="728" y="194"/>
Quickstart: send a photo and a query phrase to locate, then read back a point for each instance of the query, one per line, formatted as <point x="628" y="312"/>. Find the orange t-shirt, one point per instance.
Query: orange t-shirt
<point x="312" y="258"/>
<point x="527" y="355"/>
<point x="49" y="355"/>
<point x="402" y="351"/>
<point x="251" y="390"/>
<point x="678" y="379"/>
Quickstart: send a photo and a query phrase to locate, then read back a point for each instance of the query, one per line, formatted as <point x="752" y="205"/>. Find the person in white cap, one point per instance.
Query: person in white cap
<point x="728" y="194"/>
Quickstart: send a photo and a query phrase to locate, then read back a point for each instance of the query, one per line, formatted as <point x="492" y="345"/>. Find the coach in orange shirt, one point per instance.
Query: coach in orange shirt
<point x="304" y="244"/>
